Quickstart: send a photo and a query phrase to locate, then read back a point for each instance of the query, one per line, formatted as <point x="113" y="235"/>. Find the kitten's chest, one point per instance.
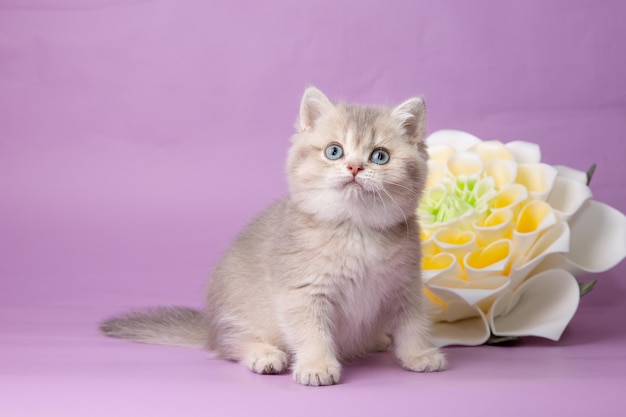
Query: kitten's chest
<point x="351" y="250"/>
<point x="363" y="275"/>
<point x="360" y="264"/>
<point x="347" y="263"/>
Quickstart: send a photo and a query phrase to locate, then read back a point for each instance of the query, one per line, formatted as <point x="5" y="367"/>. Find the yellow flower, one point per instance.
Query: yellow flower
<point x="504" y="236"/>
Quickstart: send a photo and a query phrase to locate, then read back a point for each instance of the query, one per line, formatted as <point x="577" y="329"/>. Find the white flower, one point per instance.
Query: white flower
<point x="504" y="237"/>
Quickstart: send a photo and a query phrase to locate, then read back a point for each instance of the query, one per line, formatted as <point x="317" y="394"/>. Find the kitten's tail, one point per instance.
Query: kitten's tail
<point x="174" y="326"/>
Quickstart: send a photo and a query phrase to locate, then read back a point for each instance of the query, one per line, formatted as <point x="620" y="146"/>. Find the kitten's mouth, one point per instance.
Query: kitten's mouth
<point x="353" y="184"/>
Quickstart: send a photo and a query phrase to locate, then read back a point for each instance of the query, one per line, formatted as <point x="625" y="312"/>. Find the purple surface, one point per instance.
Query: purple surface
<point x="138" y="137"/>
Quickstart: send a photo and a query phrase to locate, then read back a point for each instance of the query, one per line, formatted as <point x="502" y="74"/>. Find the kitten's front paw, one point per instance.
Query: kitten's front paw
<point x="317" y="373"/>
<point x="430" y="360"/>
<point x="265" y="359"/>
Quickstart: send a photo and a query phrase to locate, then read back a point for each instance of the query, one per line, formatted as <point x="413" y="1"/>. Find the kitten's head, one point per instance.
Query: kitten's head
<point x="356" y="163"/>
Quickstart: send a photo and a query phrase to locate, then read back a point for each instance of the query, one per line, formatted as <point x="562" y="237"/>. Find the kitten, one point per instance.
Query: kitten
<point x="328" y="273"/>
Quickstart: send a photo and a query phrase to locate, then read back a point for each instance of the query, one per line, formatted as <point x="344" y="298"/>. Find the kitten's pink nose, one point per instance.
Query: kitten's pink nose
<point x="354" y="168"/>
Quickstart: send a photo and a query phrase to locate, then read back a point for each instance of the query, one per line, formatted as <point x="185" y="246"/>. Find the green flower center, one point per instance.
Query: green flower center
<point x="451" y="199"/>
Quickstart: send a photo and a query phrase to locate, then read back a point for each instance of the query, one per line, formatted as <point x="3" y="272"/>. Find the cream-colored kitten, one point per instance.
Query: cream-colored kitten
<point x="331" y="271"/>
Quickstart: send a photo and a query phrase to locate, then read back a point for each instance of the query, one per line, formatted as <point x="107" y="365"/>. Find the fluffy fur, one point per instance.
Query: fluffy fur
<point x="330" y="272"/>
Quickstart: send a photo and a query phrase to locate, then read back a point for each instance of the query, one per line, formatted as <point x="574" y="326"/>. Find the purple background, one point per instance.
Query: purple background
<point x="137" y="138"/>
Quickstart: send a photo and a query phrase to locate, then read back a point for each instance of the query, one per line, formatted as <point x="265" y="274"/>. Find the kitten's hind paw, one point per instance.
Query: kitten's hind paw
<point x="262" y="358"/>
<point x="382" y="343"/>
<point x="317" y="374"/>
<point x="430" y="360"/>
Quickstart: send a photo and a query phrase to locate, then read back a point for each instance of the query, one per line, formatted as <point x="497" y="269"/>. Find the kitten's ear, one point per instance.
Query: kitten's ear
<point x="314" y="104"/>
<point x="411" y="115"/>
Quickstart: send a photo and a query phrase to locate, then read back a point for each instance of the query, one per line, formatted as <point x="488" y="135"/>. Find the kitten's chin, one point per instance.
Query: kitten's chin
<point x="356" y="184"/>
<point x="351" y="202"/>
<point x="353" y="188"/>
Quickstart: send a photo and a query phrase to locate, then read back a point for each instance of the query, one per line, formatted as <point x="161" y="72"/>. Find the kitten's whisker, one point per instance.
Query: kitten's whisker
<point x="401" y="186"/>
<point x="406" y="222"/>
<point x="394" y="176"/>
<point x="382" y="200"/>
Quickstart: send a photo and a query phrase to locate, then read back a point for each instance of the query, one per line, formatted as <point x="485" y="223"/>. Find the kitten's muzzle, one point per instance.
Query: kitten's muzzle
<point x="355" y="169"/>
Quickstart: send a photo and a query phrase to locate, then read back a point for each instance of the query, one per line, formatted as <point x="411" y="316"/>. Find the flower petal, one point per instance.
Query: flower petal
<point x="492" y="149"/>
<point x="440" y="153"/>
<point x="465" y="163"/>
<point x="598" y="241"/>
<point x="497" y="225"/>
<point x="524" y="152"/>
<point x="510" y="197"/>
<point x="554" y="240"/>
<point x="571" y="173"/>
<point x="568" y="196"/>
<point x="444" y="305"/>
<point x="534" y="218"/>
<point x="503" y="171"/>
<point x="441" y="263"/>
<point x="555" y="261"/>
<point x="490" y="260"/>
<point x="471" y="292"/>
<point x="455" y="241"/>
<point x="436" y="172"/>
<point x="428" y="244"/>
<point x="537" y="178"/>
<point x="458" y="139"/>
<point x="542" y="306"/>
<point x="469" y="332"/>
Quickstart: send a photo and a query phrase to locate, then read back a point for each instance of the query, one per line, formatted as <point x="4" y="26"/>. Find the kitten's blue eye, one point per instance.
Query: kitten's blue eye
<point x="380" y="157"/>
<point x="334" y="152"/>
